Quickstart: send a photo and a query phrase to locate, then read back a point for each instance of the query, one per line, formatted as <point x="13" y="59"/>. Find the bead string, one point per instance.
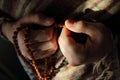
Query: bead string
<point x="32" y="65"/>
<point x="15" y="42"/>
<point x="31" y="55"/>
<point x="49" y="62"/>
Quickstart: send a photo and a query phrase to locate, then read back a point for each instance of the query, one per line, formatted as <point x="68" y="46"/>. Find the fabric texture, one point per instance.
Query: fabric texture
<point x="100" y="10"/>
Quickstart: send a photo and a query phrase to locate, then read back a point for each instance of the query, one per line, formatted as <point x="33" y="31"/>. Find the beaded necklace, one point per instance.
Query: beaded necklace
<point x="49" y="62"/>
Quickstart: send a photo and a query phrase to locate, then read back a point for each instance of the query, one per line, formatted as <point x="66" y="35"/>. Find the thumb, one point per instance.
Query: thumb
<point x="89" y="28"/>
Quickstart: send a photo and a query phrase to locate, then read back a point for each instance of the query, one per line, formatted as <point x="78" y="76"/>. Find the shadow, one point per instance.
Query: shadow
<point x="60" y="14"/>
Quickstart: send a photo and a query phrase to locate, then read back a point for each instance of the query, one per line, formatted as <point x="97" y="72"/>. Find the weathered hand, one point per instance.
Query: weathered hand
<point x="42" y="41"/>
<point x="98" y="42"/>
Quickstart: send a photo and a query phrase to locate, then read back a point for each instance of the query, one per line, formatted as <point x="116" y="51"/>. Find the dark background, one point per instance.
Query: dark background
<point x="9" y="61"/>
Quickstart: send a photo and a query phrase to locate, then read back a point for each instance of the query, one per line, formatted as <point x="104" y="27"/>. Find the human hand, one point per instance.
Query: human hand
<point x="42" y="41"/>
<point x="98" y="42"/>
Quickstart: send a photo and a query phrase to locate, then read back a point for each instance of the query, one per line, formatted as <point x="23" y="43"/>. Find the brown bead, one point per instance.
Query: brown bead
<point x="33" y="65"/>
<point x="14" y="37"/>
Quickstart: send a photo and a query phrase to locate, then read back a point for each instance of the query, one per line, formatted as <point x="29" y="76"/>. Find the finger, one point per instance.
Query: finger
<point x="41" y="35"/>
<point x="91" y="29"/>
<point x="65" y="38"/>
<point x="37" y="19"/>
<point x="45" y="45"/>
<point x="69" y="48"/>
<point x="66" y="41"/>
<point x="42" y="54"/>
<point x="44" y="49"/>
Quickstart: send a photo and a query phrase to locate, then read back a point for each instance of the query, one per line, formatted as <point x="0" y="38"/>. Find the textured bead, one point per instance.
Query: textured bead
<point x="49" y="62"/>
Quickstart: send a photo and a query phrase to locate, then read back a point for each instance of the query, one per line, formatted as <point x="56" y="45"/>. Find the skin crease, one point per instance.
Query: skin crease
<point x="44" y="42"/>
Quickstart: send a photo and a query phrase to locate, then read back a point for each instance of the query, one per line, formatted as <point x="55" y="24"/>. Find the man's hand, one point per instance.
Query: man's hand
<point x="98" y="42"/>
<point x="42" y="41"/>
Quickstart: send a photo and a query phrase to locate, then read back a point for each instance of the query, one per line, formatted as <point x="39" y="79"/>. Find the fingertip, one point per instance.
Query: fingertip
<point x="69" y="22"/>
